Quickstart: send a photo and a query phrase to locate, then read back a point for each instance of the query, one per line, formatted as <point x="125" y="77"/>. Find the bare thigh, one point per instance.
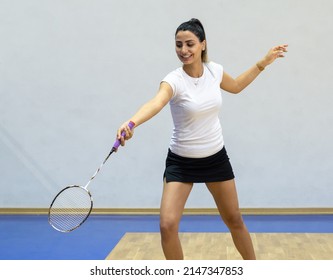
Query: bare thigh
<point x="226" y="199"/>
<point x="173" y="201"/>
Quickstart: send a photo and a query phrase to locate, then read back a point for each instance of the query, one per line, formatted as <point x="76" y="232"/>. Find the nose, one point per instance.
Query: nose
<point x="183" y="50"/>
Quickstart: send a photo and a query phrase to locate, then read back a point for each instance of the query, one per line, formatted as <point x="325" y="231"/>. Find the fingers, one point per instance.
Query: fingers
<point x="128" y="133"/>
<point x="124" y="133"/>
<point x="280" y="50"/>
<point x="274" y="53"/>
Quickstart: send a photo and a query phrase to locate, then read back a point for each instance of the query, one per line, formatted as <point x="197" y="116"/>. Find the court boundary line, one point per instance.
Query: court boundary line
<point x="188" y="211"/>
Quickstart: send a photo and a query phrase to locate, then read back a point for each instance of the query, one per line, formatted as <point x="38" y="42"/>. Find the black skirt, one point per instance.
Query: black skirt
<point x="215" y="168"/>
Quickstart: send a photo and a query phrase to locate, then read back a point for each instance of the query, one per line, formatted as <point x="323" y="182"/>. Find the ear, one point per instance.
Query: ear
<point x="203" y="44"/>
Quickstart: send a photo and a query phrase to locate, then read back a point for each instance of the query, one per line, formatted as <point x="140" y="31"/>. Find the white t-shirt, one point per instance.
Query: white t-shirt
<point x="195" y="108"/>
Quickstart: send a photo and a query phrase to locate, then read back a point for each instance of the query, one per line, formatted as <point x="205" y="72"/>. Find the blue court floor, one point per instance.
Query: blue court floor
<point x="30" y="237"/>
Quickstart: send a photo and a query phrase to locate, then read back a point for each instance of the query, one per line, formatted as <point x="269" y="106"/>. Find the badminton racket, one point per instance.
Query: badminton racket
<point x="72" y="206"/>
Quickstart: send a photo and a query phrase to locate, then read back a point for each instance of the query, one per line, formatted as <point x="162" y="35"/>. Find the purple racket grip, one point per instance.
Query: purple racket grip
<point x="117" y="143"/>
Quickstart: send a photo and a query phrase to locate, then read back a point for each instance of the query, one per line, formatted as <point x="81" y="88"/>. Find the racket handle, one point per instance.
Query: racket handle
<point x="117" y="143"/>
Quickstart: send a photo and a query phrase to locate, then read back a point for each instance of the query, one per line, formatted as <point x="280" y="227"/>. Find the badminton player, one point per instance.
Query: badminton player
<point x="197" y="152"/>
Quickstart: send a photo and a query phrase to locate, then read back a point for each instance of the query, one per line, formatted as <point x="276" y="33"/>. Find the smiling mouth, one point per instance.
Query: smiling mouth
<point x="185" y="57"/>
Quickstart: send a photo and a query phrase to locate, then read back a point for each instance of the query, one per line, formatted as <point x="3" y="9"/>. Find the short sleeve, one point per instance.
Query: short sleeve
<point x="216" y="70"/>
<point x="174" y="80"/>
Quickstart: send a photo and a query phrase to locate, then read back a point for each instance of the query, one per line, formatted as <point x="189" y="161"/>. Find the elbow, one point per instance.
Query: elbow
<point x="236" y="90"/>
<point x="157" y="106"/>
<point x="233" y="88"/>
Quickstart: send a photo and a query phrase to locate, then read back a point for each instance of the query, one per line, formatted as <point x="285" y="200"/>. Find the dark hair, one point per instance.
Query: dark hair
<point x="195" y="26"/>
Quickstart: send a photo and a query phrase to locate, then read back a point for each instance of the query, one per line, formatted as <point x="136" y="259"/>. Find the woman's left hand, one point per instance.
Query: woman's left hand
<point x="274" y="53"/>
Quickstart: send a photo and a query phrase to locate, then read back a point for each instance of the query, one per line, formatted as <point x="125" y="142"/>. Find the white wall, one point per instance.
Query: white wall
<point x="72" y="71"/>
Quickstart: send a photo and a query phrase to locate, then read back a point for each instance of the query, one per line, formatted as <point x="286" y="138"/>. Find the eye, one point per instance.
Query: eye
<point x="179" y="45"/>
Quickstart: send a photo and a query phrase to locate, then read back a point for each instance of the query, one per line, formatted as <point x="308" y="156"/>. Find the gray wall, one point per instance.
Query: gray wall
<point x="72" y="71"/>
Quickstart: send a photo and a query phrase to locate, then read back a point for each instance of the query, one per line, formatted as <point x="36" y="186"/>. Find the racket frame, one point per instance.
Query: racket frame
<point x="87" y="215"/>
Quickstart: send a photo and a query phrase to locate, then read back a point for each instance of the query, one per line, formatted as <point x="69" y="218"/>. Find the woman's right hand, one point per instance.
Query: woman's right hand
<point x="128" y="133"/>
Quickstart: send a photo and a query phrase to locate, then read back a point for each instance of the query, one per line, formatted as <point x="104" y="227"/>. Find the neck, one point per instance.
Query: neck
<point x="194" y="70"/>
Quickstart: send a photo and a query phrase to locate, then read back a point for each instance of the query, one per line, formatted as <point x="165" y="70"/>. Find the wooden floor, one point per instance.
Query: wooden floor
<point x="219" y="246"/>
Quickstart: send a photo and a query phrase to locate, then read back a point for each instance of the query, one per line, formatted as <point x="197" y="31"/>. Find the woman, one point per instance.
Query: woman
<point x="197" y="153"/>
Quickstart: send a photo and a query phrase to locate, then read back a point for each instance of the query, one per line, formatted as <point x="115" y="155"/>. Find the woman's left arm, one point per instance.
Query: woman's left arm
<point x="237" y="85"/>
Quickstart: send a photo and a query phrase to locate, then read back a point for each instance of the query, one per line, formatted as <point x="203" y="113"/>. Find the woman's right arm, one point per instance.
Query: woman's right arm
<point x="154" y="106"/>
<point x="147" y="111"/>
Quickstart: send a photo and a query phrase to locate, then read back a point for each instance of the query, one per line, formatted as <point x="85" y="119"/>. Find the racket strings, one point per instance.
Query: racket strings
<point x="70" y="208"/>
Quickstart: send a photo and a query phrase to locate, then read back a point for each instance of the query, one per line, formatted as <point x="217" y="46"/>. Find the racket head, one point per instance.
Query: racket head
<point x="70" y="208"/>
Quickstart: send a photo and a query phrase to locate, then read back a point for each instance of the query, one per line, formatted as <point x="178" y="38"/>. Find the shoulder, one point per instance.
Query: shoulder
<point x="175" y="74"/>
<point x="214" y="66"/>
<point x="174" y="79"/>
<point x="215" y="69"/>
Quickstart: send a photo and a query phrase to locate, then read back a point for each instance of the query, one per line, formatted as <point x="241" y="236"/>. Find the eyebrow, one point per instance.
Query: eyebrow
<point x="187" y="41"/>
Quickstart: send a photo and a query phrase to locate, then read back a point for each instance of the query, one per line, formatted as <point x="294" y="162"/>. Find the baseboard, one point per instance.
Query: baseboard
<point x="188" y="211"/>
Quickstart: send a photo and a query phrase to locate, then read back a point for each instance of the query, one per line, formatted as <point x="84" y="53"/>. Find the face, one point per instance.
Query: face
<point x="188" y="47"/>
